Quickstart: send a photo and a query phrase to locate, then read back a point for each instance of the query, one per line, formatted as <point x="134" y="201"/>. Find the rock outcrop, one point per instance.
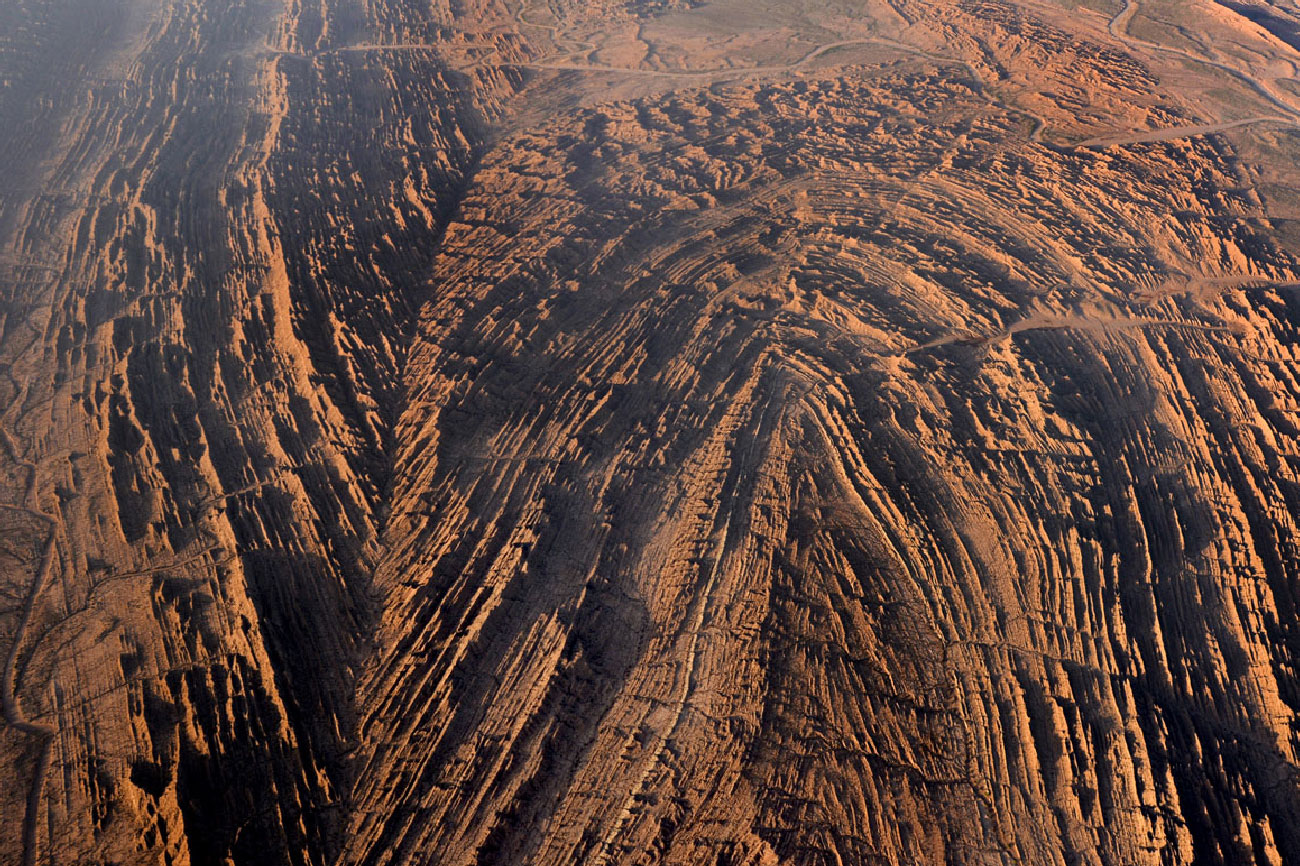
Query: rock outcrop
<point x="629" y="432"/>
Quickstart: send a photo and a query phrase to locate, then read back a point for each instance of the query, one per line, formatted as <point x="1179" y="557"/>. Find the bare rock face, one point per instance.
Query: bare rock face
<point x="630" y="433"/>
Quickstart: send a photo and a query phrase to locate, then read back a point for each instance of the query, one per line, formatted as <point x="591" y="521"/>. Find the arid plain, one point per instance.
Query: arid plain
<point x="650" y="432"/>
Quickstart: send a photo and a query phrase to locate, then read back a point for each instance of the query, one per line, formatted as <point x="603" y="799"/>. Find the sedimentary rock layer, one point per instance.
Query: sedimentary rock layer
<point x="648" y="433"/>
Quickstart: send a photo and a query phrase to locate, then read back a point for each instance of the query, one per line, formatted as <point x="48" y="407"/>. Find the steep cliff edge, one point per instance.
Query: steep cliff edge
<point x="635" y="432"/>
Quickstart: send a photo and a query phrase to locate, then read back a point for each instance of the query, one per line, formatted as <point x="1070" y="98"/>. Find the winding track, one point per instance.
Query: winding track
<point x="556" y="65"/>
<point x="1118" y="27"/>
<point x="13" y="713"/>
<point x="1035" y="133"/>
<point x="1038" y="322"/>
<point x="1173" y="133"/>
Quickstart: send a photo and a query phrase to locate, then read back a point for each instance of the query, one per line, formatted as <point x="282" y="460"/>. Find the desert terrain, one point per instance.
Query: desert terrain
<point x="722" y="432"/>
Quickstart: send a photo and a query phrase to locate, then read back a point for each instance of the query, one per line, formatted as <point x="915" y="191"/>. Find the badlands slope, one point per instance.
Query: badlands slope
<point x="650" y="432"/>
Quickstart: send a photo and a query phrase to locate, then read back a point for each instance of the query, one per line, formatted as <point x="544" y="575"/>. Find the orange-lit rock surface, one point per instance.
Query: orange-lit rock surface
<point x="705" y="432"/>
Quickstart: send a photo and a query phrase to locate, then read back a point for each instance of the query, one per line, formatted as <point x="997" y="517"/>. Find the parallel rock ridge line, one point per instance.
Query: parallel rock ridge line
<point x="649" y="432"/>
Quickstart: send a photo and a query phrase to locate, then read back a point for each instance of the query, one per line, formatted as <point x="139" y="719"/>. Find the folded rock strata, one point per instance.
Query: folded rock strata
<point x="642" y="433"/>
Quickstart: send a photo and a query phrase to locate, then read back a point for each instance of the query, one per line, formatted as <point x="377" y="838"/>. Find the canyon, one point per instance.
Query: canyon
<point x="650" y="432"/>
